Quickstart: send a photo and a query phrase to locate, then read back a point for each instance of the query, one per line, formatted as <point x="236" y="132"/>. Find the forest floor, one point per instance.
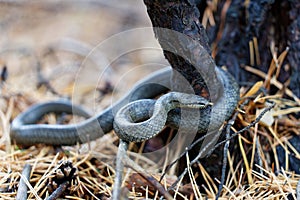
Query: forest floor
<point x="82" y="51"/>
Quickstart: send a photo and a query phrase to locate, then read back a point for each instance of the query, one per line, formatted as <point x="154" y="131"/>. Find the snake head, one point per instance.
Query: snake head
<point x="195" y="102"/>
<point x="184" y="100"/>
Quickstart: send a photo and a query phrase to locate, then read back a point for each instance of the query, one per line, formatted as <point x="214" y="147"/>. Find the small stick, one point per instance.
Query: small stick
<point x="59" y="191"/>
<point x="121" y="155"/>
<point x="226" y="146"/>
<point x="225" y="151"/>
<point x="150" y="179"/>
<point x="22" y="190"/>
<point x="43" y="81"/>
<point x="260" y="163"/>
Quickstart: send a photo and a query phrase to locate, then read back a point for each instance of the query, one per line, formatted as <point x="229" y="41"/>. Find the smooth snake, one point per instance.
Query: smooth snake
<point x="24" y="131"/>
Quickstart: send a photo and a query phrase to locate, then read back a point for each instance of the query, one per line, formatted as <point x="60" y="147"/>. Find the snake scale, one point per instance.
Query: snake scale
<point x="24" y="131"/>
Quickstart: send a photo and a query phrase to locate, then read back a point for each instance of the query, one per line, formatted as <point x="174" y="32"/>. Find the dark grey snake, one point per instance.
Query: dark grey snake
<point x="136" y="123"/>
<point x="24" y="131"/>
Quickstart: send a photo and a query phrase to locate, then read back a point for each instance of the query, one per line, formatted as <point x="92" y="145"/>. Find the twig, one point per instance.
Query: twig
<point x="3" y="75"/>
<point x="224" y="164"/>
<point x="156" y="184"/>
<point x="59" y="191"/>
<point x="42" y="81"/>
<point x="226" y="146"/>
<point x="260" y="163"/>
<point x="123" y="146"/>
<point x="22" y="190"/>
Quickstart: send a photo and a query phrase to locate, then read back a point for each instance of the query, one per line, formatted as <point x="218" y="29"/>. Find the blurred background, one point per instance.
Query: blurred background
<point x="81" y="49"/>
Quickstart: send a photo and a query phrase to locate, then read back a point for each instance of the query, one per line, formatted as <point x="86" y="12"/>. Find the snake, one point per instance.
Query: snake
<point x="133" y="121"/>
<point x="24" y="129"/>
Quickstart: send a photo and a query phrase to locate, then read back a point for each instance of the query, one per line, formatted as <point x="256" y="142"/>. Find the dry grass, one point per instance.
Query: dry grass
<point x="27" y="34"/>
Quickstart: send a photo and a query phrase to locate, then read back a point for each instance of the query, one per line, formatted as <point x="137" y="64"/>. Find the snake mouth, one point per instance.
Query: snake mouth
<point x="195" y="105"/>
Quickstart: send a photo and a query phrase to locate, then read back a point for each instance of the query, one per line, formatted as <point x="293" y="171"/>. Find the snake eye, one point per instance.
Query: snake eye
<point x="175" y="103"/>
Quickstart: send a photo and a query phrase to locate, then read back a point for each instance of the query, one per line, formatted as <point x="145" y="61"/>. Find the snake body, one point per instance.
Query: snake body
<point x="131" y="123"/>
<point x="135" y="123"/>
<point x="24" y="131"/>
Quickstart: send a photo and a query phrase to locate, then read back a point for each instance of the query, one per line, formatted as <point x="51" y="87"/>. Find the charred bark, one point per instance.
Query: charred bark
<point x="183" y="50"/>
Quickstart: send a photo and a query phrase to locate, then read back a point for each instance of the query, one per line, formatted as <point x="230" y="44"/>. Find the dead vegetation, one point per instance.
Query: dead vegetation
<point x="87" y="171"/>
